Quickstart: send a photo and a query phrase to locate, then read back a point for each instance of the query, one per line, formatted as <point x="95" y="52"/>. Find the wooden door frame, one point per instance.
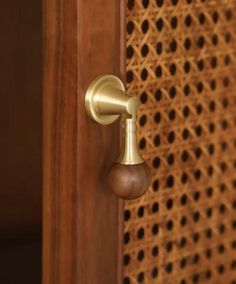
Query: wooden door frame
<point x="82" y="220"/>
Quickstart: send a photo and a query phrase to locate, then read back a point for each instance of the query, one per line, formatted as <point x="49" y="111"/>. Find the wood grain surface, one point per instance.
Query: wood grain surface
<point x="129" y="181"/>
<point x="82" y="218"/>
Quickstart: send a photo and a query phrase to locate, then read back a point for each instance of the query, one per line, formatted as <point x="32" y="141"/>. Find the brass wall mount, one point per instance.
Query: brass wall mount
<point x="106" y="101"/>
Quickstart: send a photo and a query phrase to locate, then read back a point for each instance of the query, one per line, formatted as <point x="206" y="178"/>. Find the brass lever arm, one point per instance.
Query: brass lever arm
<point x="105" y="101"/>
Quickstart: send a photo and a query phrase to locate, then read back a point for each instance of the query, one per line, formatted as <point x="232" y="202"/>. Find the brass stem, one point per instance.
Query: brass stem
<point x="129" y="153"/>
<point x="114" y="101"/>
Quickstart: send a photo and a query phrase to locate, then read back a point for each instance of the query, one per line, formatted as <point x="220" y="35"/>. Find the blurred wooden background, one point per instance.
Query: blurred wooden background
<point x="20" y="141"/>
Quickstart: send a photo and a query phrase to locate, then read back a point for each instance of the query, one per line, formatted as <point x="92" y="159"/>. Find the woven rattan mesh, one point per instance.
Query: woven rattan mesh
<point x="181" y="63"/>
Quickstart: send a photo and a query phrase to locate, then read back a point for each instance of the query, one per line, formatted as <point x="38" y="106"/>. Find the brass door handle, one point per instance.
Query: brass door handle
<point x="105" y="101"/>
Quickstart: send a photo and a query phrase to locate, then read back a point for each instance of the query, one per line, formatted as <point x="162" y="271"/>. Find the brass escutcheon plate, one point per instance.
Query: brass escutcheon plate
<point x="95" y="91"/>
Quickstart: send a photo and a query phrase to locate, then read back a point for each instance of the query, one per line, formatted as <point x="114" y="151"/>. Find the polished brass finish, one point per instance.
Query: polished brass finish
<point x="105" y="102"/>
<point x="104" y="99"/>
<point x="129" y="152"/>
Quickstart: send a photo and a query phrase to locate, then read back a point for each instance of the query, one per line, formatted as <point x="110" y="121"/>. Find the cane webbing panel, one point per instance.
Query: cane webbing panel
<point x="181" y="62"/>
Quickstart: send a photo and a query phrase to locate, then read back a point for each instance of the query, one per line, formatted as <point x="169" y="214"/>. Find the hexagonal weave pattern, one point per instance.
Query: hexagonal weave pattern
<point x="181" y="63"/>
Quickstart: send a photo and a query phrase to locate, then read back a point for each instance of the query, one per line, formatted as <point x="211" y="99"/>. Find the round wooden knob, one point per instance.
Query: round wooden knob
<point x="129" y="181"/>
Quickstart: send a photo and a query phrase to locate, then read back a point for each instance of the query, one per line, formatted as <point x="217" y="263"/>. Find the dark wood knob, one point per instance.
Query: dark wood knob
<point x="129" y="181"/>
